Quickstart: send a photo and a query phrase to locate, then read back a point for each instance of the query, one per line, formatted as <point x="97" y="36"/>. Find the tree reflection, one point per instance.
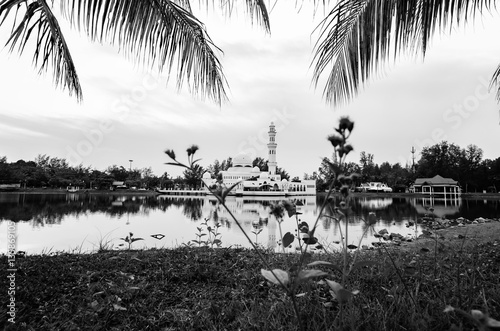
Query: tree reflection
<point x="192" y="208"/>
<point x="42" y="209"/>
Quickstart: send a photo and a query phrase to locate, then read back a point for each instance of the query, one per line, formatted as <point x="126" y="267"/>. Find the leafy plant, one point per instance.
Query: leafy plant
<point x="212" y="233"/>
<point x="130" y="239"/>
<point x="256" y="231"/>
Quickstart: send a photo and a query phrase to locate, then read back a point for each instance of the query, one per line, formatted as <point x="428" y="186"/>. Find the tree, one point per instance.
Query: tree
<point x="100" y="180"/>
<point x="493" y="174"/>
<point x="358" y="35"/>
<point x="118" y="173"/>
<point x="386" y="173"/>
<point x="367" y="166"/>
<point x="261" y="164"/>
<point x="442" y="159"/>
<point x="326" y="174"/>
<point x="352" y="168"/>
<point x="314" y="176"/>
<point x="473" y="156"/>
<point x="5" y="170"/>
<point x="283" y="173"/>
<point x="148" y="179"/>
<point x="193" y="176"/>
<point x="226" y="164"/>
<point x="217" y="167"/>
<point x="165" y="181"/>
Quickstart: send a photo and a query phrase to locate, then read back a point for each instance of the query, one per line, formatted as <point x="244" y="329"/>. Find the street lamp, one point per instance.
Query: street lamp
<point x="131" y="164"/>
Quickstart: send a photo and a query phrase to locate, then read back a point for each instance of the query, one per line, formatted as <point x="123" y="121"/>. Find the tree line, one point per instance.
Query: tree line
<point x="465" y="165"/>
<point x="53" y="172"/>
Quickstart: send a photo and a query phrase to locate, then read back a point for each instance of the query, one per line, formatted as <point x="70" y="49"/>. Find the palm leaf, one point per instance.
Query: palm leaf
<point x="357" y="35"/>
<point x="256" y="9"/>
<point x="159" y="33"/>
<point x="162" y="34"/>
<point x="154" y="32"/>
<point x="39" y="22"/>
<point x="495" y="81"/>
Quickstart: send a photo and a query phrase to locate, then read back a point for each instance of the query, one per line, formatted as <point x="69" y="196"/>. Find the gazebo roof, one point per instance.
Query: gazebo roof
<point x="436" y="180"/>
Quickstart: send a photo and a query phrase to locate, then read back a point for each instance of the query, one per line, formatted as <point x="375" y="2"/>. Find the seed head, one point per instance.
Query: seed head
<point x="191" y="150"/>
<point x="170" y="153"/>
<point x="346" y="124"/>
<point x="335" y="140"/>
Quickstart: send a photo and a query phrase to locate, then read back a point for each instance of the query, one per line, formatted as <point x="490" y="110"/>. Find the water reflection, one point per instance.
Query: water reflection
<point x="51" y="208"/>
<point x="375" y="203"/>
<point x="151" y="214"/>
<point x="440" y="207"/>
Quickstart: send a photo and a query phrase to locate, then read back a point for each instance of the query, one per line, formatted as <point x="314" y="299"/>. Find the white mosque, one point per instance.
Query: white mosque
<point x="254" y="182"/>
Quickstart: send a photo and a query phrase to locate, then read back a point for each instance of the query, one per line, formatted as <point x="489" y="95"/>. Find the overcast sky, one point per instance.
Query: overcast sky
<point x="130" y="113"/>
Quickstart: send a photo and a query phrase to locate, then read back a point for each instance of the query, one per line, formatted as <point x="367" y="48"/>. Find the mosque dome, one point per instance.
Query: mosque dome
<point x="256" y="169"/>
<point x="207" y="175"/>
<point x="242" y="160"/>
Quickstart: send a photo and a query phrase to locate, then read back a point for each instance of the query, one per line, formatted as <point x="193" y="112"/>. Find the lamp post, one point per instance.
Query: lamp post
<point x="131" y="164"/>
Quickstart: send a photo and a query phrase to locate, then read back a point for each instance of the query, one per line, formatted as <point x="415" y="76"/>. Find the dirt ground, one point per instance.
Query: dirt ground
<point x="455" y="237"/>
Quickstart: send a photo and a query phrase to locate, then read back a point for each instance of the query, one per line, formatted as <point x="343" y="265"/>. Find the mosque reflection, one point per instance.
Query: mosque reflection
<point x="253" y="214"/>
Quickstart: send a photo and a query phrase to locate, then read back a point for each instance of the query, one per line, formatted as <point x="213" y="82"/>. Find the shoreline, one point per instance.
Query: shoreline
<point x="469" y="195"/>
<point x="82" y="192"/>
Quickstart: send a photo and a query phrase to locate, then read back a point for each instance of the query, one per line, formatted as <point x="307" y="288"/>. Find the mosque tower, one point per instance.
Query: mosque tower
<point x="271" y="146"/>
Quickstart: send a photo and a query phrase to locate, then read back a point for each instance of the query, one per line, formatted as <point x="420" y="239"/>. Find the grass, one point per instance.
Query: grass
<point x="222" y="289"/>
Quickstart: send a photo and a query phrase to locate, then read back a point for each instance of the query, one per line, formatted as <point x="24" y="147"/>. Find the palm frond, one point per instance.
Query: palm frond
<point x="357" y="35"/>
<point x="51" y="48"/>
<point x="158" y="33"/>
<point x="256" y="10"/>
<point x="495" y="81"/>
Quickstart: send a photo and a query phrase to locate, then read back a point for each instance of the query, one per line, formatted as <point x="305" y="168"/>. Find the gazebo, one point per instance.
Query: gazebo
<point x="437" y="185"/>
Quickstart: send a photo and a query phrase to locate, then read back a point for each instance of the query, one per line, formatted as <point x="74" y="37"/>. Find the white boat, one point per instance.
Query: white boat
<point x="374" y="187"/>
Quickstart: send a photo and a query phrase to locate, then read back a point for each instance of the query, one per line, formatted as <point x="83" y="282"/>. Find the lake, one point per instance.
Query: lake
<point x="69" y="222"/>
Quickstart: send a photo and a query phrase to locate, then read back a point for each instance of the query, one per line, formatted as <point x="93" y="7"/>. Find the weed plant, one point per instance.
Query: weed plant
<point x="213" y="237"/>
<point x="130" y="240"/>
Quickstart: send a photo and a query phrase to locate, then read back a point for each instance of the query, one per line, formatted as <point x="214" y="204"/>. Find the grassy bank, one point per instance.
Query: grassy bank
<point x="222" y="289"/>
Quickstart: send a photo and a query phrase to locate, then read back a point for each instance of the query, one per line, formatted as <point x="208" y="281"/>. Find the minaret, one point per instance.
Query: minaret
<point x="271" y="146"/>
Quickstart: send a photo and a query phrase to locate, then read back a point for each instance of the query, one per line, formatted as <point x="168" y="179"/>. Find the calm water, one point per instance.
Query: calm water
<point x="68" y="222"/>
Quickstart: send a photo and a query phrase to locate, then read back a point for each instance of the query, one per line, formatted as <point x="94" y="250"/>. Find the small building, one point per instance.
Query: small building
<point x="437" y="185"/>
<point x="118" y="185"/>
<point x="10" y="186"/>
